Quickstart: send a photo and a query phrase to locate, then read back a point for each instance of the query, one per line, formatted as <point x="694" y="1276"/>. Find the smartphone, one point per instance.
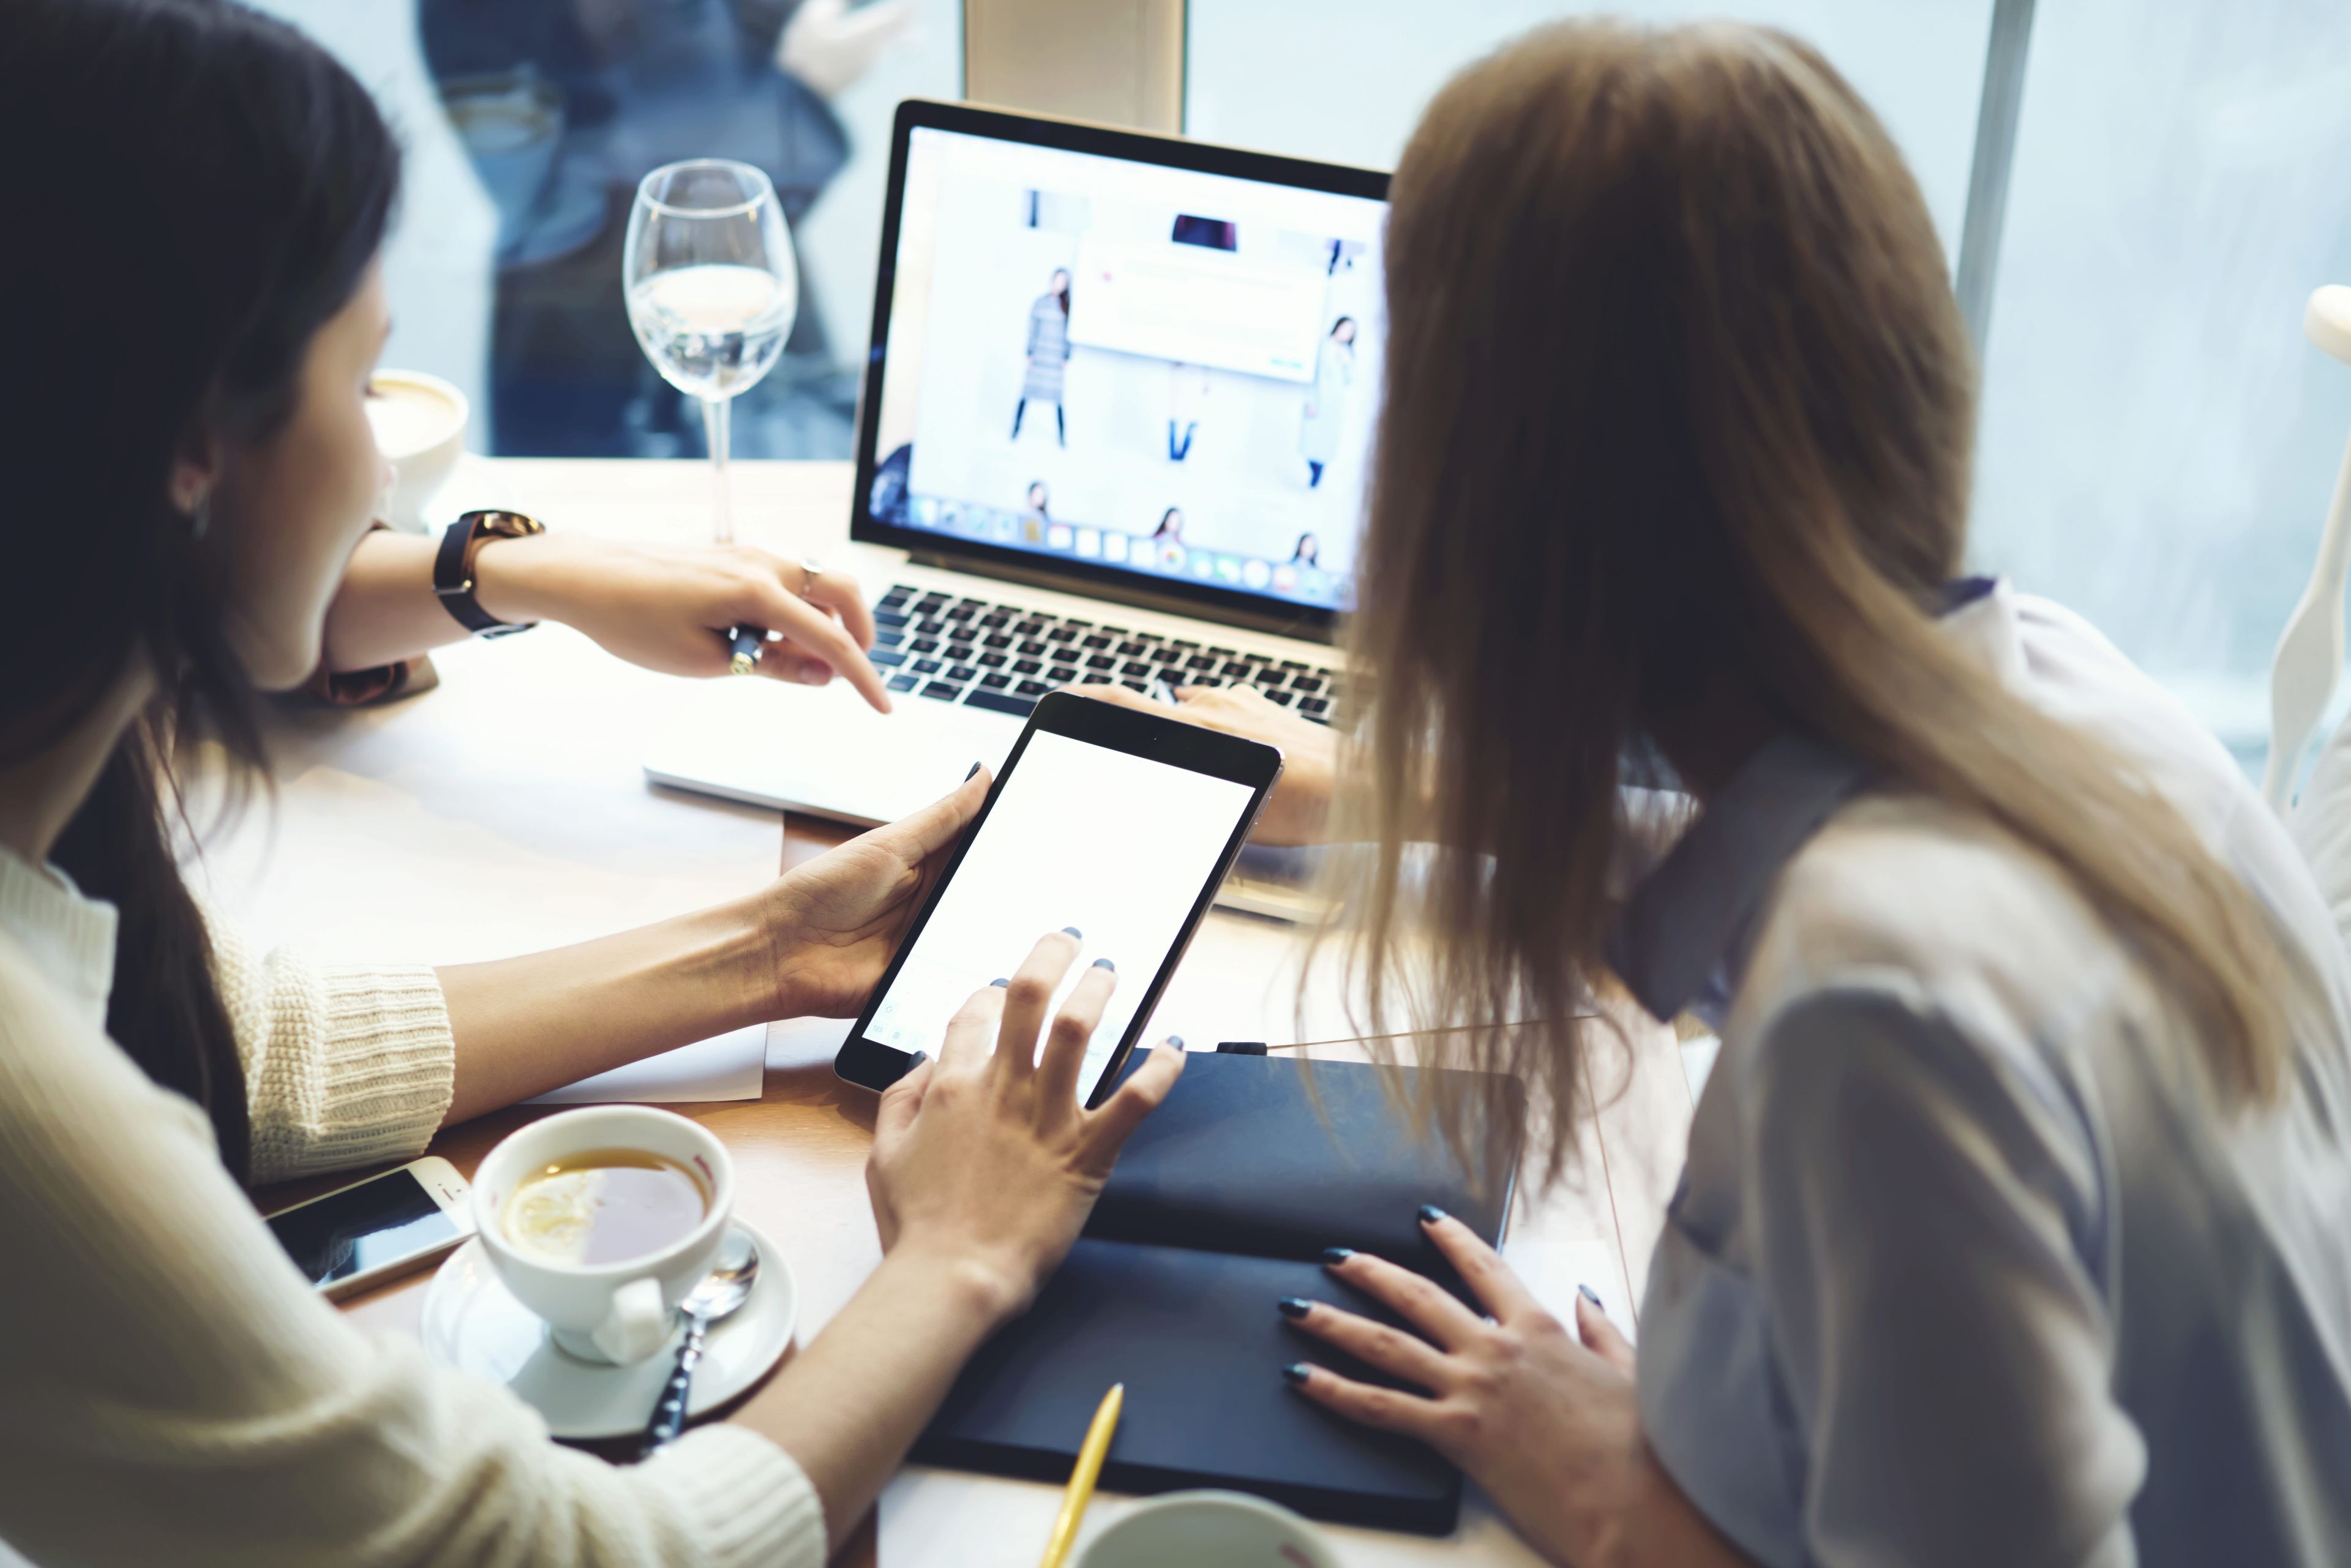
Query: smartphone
<point x="377" y="1230"/>
<point x="1116" y="823"/>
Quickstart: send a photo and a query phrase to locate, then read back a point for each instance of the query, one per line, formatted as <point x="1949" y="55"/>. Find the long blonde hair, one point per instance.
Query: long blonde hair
<point x="1675" y="387"/>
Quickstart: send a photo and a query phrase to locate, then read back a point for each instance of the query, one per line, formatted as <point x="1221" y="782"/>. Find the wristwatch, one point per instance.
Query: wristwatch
<point x="453" y="567"/>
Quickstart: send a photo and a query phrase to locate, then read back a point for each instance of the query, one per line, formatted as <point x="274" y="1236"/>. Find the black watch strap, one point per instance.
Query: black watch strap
<point x="452" y="577"/>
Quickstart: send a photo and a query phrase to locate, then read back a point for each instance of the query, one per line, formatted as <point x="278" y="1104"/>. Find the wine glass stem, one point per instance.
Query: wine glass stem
<point x="713" y="423"/>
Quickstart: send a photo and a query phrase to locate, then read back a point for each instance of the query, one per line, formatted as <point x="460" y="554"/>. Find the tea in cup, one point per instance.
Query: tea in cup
<point x="601" y="1220"/>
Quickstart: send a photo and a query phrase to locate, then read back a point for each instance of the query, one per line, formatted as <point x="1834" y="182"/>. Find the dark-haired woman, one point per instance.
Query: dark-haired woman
<point x="191" y="470"/>
<point x="2016" y="1225"/>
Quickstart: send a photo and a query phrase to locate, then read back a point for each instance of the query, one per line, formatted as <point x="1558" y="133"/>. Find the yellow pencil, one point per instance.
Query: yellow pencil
<point x="1081" y="1489"/>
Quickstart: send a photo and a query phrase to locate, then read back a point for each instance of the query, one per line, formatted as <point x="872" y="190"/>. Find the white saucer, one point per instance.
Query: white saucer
<point x="473" y="1324"/>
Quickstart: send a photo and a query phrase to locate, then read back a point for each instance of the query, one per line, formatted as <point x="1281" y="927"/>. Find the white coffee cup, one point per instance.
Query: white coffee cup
<point x="620" y="1311"/>
<point x="420" y="428"/>
<point x="1230" y="1529"/>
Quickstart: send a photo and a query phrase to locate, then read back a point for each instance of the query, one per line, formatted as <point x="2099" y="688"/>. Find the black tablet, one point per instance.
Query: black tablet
<point x="1116" y="823"/>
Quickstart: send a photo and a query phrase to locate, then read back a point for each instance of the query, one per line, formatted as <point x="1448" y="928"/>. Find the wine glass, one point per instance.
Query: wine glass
<point x="712" y="289"/>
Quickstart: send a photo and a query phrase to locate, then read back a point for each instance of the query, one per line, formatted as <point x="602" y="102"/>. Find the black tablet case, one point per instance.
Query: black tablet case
<point x="1223" y="1203"/>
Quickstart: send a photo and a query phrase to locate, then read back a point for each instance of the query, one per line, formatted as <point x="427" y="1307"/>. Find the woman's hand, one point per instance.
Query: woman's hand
<point x="669" y="607"/>
<point x="1299" y="810"/>
<point x="1547" y="1425"/>
<point x="833" y="921"/>
<point x="984" y="1158"/>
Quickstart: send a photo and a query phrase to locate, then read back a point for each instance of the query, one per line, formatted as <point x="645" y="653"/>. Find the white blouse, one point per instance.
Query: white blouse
<point x="1966" y="1266"/>
<point x="171" y="1390"/>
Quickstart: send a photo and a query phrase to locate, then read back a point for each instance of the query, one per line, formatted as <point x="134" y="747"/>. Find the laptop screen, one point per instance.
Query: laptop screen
<point x="1117" y="364"/>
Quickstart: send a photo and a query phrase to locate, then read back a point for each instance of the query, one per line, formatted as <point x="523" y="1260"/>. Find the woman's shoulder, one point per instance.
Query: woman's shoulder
<point x="1901" y="891"/>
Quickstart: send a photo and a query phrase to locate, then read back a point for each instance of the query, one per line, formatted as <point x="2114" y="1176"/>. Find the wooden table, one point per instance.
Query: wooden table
<point x="506" y="812"/>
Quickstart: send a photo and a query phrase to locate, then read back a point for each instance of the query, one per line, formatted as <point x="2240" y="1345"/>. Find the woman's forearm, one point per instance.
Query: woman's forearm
<point x="849" y="1407"/>
<point x="386" y="610"/>
<point x="526" y="1025"/>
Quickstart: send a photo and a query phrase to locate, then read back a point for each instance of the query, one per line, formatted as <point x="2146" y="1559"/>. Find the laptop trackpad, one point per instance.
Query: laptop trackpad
<point x="821" y="750"/>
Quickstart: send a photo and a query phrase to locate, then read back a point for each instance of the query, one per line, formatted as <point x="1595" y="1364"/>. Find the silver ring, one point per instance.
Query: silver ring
<point x="812" y="569"/>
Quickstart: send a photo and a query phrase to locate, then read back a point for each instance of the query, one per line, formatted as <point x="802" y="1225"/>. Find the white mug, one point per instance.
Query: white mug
<point x="420" y="427"/>
<point x="607" y="1311"/>
<point x="1230" y="1529"/>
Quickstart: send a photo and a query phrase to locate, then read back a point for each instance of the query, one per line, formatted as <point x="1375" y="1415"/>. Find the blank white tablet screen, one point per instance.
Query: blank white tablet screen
<point x="1116" y="845"/>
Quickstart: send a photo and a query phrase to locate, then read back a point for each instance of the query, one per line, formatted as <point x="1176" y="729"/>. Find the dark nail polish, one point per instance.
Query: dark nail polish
<point x="1176" y="1040"/>
<point x="1073" y="931"/>
<point x="1334" y="1256"/>
<point x="1004" y="983"/>
<point x="1294" y="1307"/>
<point x="1106" y="964"/>
<point x="1296" y="1371"/>
<point x="1589" y="1294"/>
<point x="969" y="777"/>
<point x="1430" y="1214"/>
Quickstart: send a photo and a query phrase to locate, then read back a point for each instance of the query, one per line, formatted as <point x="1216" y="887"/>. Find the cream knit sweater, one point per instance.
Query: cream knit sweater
<point x="172" y="1392"/>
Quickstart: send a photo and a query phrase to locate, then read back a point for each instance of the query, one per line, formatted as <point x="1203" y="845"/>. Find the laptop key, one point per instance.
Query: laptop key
<point x="1028" y="629"/>
<point x="991" y="661"/>
<point x="904" y="683"/>
<point x="1129" y="650"/>
<point x="1308" y="684"/>
<point x="1061" y="634"/>
<point x="889" y="636"/>
<point x="959" y="650"/>
<point x="1001" y="702"/>
<point x="1293" y="663"/>
<point x="1174" y="675"/>
<point x="1062" y="674"/>
<point x="1225" y="653"/>
<point x="884" y="615"/>
<point x="1236" y="671"/>
<point x="996" y="639"/>
<point x="930" y="626"/>
<point x="996" y="681"/>
<point x="962" y="612"/>
<point x="1283" y="697"/>
<point x="1032" y="688"/>
<point x="923" y="645"/>
<point x="1313" y="707"/>
<point x="927" y="666"/>
<point x="1032" y="647"/>
<point x="1026" y="666"/>
<point x="1182" y="642"/>
<point x="1199" y="661"/>
<point x="1101" y="662"/>
<point x="1142" y="687"/>
<point x="946" y="691"/>
<point x="1136" y="669"/>
<point x="961" y="673"/>
<point x="886" y="657"/>
<point x="1097" y="643"/>
<point x="996" y="622"/>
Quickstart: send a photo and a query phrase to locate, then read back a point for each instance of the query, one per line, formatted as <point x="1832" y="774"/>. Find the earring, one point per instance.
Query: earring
<point x="200" y="518"/>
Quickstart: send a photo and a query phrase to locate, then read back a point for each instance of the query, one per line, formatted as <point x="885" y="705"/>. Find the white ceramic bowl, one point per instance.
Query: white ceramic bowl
<point x="420" y="427"/>
<point x="1230" y="1529"/>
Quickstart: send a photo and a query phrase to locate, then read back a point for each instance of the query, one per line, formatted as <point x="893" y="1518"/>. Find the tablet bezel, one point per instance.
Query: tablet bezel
<point x="1170" y="741"/>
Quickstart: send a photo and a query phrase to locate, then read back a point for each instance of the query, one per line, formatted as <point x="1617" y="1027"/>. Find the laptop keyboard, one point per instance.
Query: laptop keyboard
<point x="1003" y="657"/>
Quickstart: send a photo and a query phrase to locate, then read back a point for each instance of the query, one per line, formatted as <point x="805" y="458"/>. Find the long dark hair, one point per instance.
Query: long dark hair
<point x="218" y="188"/>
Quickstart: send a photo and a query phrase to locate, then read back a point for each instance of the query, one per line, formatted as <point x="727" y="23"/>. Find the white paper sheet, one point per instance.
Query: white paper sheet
<point x="728" y="1067"/>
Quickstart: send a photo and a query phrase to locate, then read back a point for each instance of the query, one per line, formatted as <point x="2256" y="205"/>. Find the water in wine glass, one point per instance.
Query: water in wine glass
<point x="712" y="329"/>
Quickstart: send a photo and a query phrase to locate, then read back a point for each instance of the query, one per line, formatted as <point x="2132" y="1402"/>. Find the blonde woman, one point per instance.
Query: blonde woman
<point x="2016" y="1222"/>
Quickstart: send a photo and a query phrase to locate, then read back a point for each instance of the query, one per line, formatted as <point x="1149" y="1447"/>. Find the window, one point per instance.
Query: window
<point x="529" y="123"/>
<point x="2159" y="440"/>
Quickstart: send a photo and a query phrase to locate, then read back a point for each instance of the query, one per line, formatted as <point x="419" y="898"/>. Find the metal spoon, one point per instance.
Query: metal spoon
<point x="728" y="1286"/>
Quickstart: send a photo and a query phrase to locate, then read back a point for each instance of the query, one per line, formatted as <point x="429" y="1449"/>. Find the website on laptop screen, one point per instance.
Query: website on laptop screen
<point x="1165" y="372"/>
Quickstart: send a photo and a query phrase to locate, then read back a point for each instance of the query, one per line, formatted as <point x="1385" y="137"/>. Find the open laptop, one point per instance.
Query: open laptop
<point x="1116" y="420"/>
